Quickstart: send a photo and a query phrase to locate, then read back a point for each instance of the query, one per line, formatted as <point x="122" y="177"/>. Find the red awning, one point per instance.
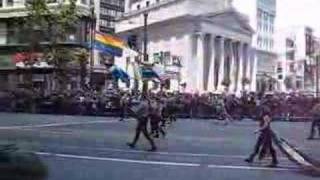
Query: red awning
<point x="25" y="56"/>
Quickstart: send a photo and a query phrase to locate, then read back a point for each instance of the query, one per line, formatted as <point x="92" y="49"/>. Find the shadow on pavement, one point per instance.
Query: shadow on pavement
<point x="19" y="165"/>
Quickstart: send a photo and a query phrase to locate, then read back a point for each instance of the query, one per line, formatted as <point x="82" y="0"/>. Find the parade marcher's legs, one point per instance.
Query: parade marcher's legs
<point x="142" y="127"/>
<point x="123" y="113"/>
<point x="156" y="127"/>
<point x="264" y="142"/>
<point x="257" y="148"/>
<point x="314" y="125"/>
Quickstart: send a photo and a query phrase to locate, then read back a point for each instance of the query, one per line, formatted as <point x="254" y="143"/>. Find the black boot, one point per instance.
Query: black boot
<point x="153" y="149"/>
<point x="273" y="164"/>
<point x="131" y="145"/>
<point x="249" y="159"/>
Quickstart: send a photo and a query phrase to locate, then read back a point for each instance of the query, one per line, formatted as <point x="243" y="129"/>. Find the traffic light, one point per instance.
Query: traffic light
<point x="132" y="42"/>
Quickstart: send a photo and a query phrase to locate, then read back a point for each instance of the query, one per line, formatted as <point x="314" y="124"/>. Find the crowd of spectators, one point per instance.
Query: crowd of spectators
<point x="289" y="107"/>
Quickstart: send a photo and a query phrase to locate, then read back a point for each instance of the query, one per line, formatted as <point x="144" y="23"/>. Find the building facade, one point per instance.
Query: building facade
<point x="262" y="15"/>
<point x="13" y="40"/>
<point x="205" y="45"/>
<point x="296" y="48"/>
<point x="106" y="13"/>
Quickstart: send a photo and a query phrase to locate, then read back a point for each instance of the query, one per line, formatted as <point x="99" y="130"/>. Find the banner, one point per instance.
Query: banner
<point x="296" y="156"/>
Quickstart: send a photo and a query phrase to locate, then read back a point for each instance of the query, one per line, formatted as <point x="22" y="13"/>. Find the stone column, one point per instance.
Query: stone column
<point x="248" y="63"/>
<point x="221" y="64"/>
<point x="4" y="3"/>
<point x="127" y="6"/>
<point x="246" y="68"/>
<point x="232" y="68"/>
<point x="191" y="61"/>
<point x="254" y="71"/>
<point x="240" y="71"/>
<point x="211" y="83"/>
<point x="200" y="62"/>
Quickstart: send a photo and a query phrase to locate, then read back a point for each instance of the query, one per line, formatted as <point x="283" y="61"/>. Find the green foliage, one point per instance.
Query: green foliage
<point x="58" y="22"/>
<point x="39" y="14"/>
<point x="82" y="58"/>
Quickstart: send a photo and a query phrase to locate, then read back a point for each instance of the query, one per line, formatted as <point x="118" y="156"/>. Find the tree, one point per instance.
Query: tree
<point x="57" y="22"/>
<point x="82" y="59"/>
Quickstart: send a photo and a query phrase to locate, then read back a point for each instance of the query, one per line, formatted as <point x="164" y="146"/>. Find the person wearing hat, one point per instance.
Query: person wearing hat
<point x="264" y="142"/>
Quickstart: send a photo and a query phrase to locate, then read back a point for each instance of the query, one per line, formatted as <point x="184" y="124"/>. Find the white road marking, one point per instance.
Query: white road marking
<point x="119" y="160"/>
<point x="56" y="124"/>
<point x="252" y="168"/>
<point x="165" y="163"/>
<point x="165" y="153"/>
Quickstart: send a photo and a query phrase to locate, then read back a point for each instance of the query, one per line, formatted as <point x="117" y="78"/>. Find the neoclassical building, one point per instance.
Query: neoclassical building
<point x="209" y="39"/>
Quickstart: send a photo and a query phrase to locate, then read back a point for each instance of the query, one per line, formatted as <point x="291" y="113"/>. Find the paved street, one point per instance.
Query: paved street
<point x="87" y="148"/>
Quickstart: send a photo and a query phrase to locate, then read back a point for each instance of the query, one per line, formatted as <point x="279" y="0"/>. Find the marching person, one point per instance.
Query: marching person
<point x="156" y="118"/>
<point x="124" y="105"/>
<point x="141" y="112"/>
<point x="315" y="121"/>
<point x="264" y="142"/>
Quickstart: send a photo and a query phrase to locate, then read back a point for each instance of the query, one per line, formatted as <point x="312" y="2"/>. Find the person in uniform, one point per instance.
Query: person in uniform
<point x="315" y="121"/>
<point x="156" y="118"/>
<point x="264" y="142"/>
<point x="141" y="112"/>
<point x="124" y="105"/>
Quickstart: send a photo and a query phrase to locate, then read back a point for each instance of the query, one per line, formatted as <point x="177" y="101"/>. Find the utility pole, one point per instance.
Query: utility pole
<point x="145" y="49"/>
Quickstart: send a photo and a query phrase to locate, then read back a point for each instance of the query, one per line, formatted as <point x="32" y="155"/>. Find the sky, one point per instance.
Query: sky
<point x="298" y="12"/>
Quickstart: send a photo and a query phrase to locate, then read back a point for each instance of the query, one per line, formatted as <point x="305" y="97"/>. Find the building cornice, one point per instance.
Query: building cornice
<point x="152" y="7"/>
<point x="189" y="18"/>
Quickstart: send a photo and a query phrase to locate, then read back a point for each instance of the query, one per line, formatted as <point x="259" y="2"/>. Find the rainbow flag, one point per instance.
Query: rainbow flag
<point x="109" y="44"/>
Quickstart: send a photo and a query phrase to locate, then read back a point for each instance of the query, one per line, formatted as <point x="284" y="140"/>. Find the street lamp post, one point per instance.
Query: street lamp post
<point x="145" y="49"/>
<point x="92" y="36"/>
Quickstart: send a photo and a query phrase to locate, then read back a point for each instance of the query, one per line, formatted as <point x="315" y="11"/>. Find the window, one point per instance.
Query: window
<point x="299" y="84"/>
<point x="138" y="6"/>
<point x="147" y="3"/>
<point x="54" y="1"/>
<point x="259" y="25"/>
<point x="271" y="44"/>
<point x="265" y="28"/>
<point x="259" y="41"/>
<point x="9" y="2"/>
<point x="260" y="14"/>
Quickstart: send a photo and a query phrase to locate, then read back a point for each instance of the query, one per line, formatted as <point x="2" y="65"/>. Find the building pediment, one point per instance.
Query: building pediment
<point x="230" y="19"/>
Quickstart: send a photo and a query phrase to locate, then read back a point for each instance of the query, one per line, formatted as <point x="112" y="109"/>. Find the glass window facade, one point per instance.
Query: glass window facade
<point x="109" y="11"/>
